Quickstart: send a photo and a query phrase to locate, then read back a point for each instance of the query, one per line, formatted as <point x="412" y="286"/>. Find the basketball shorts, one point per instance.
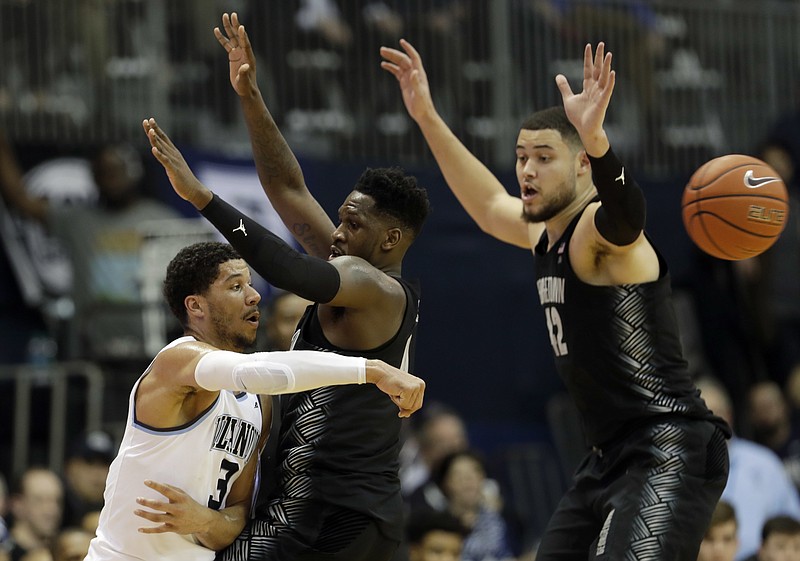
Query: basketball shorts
<point x="648" y="496"/>
<point x="307" y="530"/>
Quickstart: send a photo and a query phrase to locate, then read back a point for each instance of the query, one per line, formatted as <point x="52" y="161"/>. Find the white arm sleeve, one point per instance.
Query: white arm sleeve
<point x="277" y="372"/>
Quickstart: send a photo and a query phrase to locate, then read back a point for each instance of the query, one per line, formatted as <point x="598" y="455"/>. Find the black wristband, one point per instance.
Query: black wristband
<point x="621" y="218"/>
<point x="279" y="263"/>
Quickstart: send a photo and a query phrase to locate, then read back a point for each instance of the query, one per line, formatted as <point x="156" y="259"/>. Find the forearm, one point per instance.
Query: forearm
<point x="621" y="217"/>
<point x="275" y="162"/>
<point x="223" y="527"/>
<point x="469" y="179"/>
<point x="279" y="372"/>
<point x="276" y="261"/>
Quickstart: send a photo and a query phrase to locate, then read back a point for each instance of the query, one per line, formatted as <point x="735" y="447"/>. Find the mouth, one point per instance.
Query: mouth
<point x="528" y="193"/>
<point x="335" y="252"/>
<point x="253" y="317"/>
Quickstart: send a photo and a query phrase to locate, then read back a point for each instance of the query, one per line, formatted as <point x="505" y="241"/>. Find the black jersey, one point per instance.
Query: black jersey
<point x="340" y="444"/>
<point x="617" y="348"/>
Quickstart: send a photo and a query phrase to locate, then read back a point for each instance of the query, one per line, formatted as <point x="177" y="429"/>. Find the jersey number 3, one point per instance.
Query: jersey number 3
<point x="229" y="469"/>
<point x="556" y="331"/>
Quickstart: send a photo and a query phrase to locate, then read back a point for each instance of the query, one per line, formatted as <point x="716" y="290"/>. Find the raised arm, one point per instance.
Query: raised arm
<point x="278" y="169"/>
<point x="476" y="188"/>
<point x="615" y="227"/>
<point x="346" y="281"/>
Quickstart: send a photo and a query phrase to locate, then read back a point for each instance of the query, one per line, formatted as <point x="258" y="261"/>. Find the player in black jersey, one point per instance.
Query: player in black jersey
<point x="659" y="460"/>
<point x="336" y="489"/>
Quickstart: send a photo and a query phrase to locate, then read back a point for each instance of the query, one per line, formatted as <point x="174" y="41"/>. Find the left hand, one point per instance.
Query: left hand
<point x="587" y="110"/>
<point x="180" y="514"/>
<point x="183" y="181"/>
<point x="241" y="58"/>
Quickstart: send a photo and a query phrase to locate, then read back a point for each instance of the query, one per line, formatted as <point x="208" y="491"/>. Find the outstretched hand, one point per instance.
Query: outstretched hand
<point x="183" y="181"/>
<point x="178" y="513"/>
<point x="587" y="110"/>
<point x="404" y="389"/>
<point x="407" y="68"/>
<point x="241" y="59"/>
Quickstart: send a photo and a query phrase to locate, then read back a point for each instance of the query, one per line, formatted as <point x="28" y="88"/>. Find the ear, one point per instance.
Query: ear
<point x="391" y="239"/>
<point x="195" y="306"/>
<point x="583" y="165"/>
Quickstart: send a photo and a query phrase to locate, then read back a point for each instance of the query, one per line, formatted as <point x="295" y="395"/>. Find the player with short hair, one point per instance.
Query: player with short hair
<point x="190" y="450"/>
<point x="337" y="492"/>
<point x="659" y="460"/>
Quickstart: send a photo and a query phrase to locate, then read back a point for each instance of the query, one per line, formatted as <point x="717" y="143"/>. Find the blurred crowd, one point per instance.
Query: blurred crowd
<point x="70" y="289"/>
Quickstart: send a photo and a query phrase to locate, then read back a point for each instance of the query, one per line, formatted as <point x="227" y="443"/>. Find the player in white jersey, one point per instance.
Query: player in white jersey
<point x="182" y="483"/>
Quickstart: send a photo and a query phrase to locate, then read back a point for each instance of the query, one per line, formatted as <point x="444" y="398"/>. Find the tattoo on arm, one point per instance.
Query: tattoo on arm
<point x="307" y="239"/>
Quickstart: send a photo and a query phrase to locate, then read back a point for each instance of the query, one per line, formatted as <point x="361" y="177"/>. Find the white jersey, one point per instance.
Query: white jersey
<point x="203" y="457"/>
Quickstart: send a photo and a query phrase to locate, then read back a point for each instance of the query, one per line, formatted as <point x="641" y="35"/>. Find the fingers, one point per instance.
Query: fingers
<point x="413" y="54"/>
<point x="395" y="57"/>
<point x="563" y="87"/>
<point x="392" y="68"/>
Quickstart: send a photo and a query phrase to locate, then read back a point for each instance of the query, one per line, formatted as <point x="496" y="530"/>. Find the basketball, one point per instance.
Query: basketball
<point x="735" y="207"/>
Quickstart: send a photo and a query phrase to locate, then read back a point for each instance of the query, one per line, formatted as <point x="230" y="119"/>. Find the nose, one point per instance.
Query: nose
<point x="253" y="296"/>
<point x="529" y="169"/>
<point x="338" y="233"/>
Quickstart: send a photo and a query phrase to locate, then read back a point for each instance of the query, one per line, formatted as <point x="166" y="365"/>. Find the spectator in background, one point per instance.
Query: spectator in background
<point x="720" y="542"/>
<point x="439" y="431"/>
<point x="284" y="311"/>
<point x="461" y="478"/>
<point x="780" y="540"/>
<point x="758" y="487"/>
<point x="72" y="544"/>
<point x="85" y="471"/>
<point x="36" y="507"/>
<point x="776" y="292"/>
<point x="103" y="243"/>
<point x="434" y="536"/>
<point x="771" y="423"/>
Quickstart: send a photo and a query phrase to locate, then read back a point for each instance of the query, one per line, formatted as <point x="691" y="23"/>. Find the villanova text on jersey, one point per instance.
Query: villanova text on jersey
<point x="234" y="436"/>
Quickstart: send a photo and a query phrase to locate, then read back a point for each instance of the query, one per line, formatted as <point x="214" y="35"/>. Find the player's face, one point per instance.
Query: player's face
<point x="437" y="545"/>
<point x="233" y="306"/>
<point x="780" y="547"/>
<point x="546" y="172"/>
<point x="720" y="544"/>
<point x="360" y="229"/>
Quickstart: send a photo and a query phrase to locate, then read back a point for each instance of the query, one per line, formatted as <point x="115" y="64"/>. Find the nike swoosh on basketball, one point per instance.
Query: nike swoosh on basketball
<point x="755" y="182"/>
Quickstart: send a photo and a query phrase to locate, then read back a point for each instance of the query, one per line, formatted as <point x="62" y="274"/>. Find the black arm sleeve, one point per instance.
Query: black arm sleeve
<point x="621" y="217"/>
<point x="279" y="263"/>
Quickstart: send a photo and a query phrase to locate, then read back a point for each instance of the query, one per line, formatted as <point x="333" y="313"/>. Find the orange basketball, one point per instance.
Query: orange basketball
<point x="735" y="207"/>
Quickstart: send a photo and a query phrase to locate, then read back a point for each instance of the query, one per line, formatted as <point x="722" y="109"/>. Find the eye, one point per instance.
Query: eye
<point x="522" y="158"/>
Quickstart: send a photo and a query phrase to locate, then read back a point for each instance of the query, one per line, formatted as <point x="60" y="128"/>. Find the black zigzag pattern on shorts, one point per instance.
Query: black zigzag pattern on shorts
<point x="662" y="489"/>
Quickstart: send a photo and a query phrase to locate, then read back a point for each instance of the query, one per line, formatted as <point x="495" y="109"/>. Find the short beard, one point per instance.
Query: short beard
<point x="232" y="341"/>
<point x="563" y="197"/>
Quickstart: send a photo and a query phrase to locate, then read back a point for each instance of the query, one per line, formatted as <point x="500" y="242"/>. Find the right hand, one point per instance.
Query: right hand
<point x="241" y="58"/>
<point x="183" y="181"/>
<point x="407" y="68"/>
<point x="405" y="390"/>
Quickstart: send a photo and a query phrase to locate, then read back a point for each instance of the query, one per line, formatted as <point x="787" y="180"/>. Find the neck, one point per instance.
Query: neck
<point x="558" y="224"/>
<point x="204" y="336"/>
